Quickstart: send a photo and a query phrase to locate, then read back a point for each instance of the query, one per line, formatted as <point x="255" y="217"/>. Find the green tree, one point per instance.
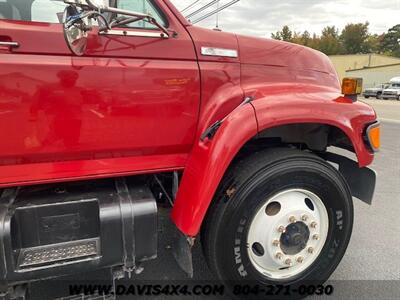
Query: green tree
<point x="373" y="43"/>
<point x="354" y="38"/>
<point x="297" y="38"/>
<point x="306" y="38"/>
<point x="284" y="35"/>
<point x="315" y="42"/>
<point x="329" y="42"/>
<point x="391" y="41"/>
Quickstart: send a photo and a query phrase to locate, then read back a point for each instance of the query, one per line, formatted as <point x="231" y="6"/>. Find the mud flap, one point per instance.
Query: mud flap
<point x="182" y="251"/>
<point x="361" y="181"/>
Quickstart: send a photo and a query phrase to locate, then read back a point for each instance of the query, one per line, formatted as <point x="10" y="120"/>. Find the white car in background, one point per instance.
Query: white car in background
<point x="376" y="91"/>
<point x="393" y="91"/>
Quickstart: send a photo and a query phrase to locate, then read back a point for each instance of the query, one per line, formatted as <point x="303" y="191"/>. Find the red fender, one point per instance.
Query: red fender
<point x="313" y="104"/>
<point x="210" y="159"/>
<point x="206" y="167"/>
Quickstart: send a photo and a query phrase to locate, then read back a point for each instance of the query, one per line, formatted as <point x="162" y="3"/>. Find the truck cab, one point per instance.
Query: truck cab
<point x="110" y="109"/>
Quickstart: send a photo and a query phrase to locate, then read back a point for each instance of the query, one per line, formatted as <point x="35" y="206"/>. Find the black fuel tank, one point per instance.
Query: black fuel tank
<point x="54" y="230"/>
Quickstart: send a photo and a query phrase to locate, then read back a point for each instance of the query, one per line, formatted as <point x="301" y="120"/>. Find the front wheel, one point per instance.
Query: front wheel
<point x="280" y="217"/>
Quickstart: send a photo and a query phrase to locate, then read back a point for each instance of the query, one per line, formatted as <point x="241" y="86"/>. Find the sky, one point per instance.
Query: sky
<point x="263" y="17"/>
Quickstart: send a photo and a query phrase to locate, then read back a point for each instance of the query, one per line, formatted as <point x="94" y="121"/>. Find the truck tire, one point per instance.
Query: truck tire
<point x="280" y="217"/>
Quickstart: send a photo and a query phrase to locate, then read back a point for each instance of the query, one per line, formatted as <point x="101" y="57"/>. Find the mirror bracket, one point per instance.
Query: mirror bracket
<point x="154" y="34"/>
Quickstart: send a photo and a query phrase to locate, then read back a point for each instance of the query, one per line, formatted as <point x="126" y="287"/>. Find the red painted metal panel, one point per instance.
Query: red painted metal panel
<point x="221" y="92"/>
<point x="324" y="108"/>
<point x="214" y="39"/>
<point x="206" y="167"/>
<point x="28" y="174"/>
<point x="130" y="97"/>
<point x="269" y="52"/>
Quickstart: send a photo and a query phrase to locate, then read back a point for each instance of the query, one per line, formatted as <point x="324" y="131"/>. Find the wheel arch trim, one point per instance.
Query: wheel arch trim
<point x="210" y="159"/>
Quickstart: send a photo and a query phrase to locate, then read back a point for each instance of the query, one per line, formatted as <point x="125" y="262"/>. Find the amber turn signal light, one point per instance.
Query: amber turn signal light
<point x="352" y="86"/>
<point x="374" y="136"/>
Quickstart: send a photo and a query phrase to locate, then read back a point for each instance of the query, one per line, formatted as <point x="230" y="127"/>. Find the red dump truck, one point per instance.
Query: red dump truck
<point x="107" y="111"/>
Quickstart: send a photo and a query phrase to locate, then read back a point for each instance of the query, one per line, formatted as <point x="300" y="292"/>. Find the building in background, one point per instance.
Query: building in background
<point x="344" y="64"/>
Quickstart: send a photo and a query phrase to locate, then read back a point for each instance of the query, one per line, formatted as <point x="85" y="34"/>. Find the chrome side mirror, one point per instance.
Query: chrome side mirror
<point x="77" y="22"/>
<point x="75" y="30"/>
<point x="78" y="16"/>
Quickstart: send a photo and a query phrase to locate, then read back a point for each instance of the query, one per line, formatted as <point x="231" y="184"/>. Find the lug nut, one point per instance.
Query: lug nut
<point x="313" y="225"/>
<point x="279" y="255"/>
<point x="300" y="259"/>
<point x="292" y="219"/>
<point x="310" y="250"/>
<point x="304" y="218"/>
<point x="275" y="243"/>
<point x="281" y="229"/>
<point x="315" y="237"/>
<point x="288" y="261"/>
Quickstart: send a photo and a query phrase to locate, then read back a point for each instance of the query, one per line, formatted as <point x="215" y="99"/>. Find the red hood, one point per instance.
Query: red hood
<point x="277" y="53"/>
<point x="261" y="51"/>
<point x="278" y="61"/>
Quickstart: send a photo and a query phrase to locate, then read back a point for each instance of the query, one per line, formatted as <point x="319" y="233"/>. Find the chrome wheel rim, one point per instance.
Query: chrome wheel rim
<point x="287" y="234"/>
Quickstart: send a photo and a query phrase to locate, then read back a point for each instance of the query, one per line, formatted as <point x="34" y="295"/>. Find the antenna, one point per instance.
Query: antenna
<point x="217" y="17"/>
<point x="215" y="11"/>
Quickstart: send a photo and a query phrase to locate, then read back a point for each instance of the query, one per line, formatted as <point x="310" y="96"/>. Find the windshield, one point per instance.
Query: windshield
<point x="394" y="86"/>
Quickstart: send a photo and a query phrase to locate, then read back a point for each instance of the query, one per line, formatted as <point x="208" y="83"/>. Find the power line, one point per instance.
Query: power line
<point x="202" y="8"/>
<point x="190" y="6"/>
<point x="215" y="11"/>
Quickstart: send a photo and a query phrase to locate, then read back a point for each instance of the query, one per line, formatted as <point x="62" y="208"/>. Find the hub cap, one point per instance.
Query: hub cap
<point x="295" y="238"/>
<point x="287" y="233"/>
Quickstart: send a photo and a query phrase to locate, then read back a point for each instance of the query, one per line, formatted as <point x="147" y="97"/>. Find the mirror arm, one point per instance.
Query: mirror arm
<point x="116" y="23"/>
<point x="135" y="17"/>
<point x="158" y="25"/>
